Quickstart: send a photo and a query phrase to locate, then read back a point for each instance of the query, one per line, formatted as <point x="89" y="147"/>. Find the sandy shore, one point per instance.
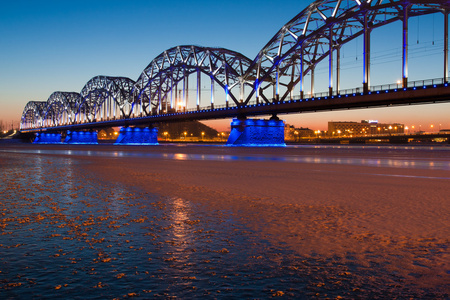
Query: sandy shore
<point x="393" y="211"/>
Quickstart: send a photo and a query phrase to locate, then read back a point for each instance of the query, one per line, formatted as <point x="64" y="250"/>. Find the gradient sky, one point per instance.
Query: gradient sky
<point x="48" y="46"/>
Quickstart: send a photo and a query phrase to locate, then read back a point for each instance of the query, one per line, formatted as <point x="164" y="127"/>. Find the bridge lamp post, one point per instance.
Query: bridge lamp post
<point x="339" y="133"/>
<point x="203" y="134"/>
<point x="406" y="129"/>
<point x="432" y="126"/>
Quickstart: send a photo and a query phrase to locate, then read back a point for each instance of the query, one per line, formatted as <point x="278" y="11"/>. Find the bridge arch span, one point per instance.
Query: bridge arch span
<point x="60" y="108"/>
<point x="317" y="34"/>
<point x="105" y="97"/>
<point x="32" y="114"/>
<point x="163" y="86"/>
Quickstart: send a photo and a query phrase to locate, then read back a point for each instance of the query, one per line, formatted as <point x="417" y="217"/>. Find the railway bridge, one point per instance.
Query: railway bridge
<point x="191" y="82"/>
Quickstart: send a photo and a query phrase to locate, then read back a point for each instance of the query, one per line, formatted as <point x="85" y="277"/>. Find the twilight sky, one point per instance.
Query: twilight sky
<point x="48" y="46"/>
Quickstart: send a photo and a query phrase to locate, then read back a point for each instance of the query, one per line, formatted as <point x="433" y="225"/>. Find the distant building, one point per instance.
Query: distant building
<point x="295" y="134"/>
<point x="366" y="127"/>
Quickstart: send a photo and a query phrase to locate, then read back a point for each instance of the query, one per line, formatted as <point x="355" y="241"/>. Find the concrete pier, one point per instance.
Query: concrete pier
<point x="47" y="138"/>
<point x="81" y="137"/>
<point x="257" y="133"/>
<point x="137" y="136"/>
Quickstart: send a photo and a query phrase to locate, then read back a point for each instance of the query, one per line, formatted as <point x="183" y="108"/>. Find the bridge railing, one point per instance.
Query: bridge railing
<point x="411" y="84"/>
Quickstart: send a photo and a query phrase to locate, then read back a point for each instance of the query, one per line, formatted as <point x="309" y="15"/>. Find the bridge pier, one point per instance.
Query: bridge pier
<point x="81" y="137"/>
<point x="257" y="133"/>
<point x="137" y="136"/>
<point x="47" y="138"/>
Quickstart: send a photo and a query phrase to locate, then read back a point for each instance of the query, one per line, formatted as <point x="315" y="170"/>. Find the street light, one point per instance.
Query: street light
<point x="317" y="132"/>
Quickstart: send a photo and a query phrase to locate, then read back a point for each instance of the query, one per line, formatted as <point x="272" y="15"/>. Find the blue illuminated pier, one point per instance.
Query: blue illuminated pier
<point x="81" y="137"/>
<point x="47" y="138"/>
<point x="137" y="136"/>
<point x="257" y="133"/>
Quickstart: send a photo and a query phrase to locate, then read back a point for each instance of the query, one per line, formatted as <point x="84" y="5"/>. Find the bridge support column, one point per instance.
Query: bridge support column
<point x="81" y="137"/>
<point x="405" y="46"/>
<point x="330" y="64"/>
<point x="366" y="83"/>
<point x="338" y="69"/>
<point x="257" y="133"/>
<point x="445" y="46"/>
<point x="301" y="73"/>
<point x="137" y="136"/>
<point x="47" y="138"/>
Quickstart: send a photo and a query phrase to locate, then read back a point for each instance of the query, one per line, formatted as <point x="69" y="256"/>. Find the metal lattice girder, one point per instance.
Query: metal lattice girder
<point x="59" y="104"/>
<point x="118" y="90"/>
<point x="307" y="39"/>
<point x="33" y="113"/>
<point x="224" y="67"/>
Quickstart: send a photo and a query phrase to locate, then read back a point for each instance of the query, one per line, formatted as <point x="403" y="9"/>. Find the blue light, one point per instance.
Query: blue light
<point x="81" y="137"/>
<point x="47" y="138"/>
<point x="137" y="136"/>
<point x="256" y="133"/>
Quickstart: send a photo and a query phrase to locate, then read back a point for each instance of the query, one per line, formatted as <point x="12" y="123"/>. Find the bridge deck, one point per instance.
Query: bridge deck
<point x="389" y="97"/>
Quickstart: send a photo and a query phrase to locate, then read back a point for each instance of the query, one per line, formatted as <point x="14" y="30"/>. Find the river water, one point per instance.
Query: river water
<point x="65" y="234"/>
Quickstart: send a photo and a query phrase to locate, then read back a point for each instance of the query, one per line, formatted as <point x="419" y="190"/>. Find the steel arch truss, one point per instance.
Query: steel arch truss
<point x="323" y="27"/>
<point x="32" y="114"/>
<point x="157" y="86"/>
<point x="104" y="98"/>
<point x="60" y="108"/>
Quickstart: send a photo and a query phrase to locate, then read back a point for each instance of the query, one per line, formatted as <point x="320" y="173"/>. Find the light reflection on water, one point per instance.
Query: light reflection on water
<point x="393" y="162"/>
<point x="68" y="236"/>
